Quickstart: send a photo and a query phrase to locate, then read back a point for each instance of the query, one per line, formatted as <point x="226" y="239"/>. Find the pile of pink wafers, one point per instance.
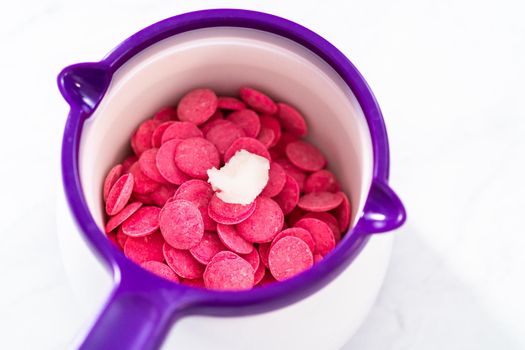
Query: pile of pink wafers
<point x="164" y="215"/>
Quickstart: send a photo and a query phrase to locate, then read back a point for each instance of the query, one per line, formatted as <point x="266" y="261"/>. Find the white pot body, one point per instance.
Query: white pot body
<point x="225" y="59"/>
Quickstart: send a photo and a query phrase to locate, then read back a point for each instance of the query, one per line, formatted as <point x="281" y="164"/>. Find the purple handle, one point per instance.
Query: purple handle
<point x="133" y="320"/>
<point x="383" y="210"/>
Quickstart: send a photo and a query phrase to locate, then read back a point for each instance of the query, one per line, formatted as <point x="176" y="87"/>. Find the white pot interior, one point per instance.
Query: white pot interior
<point x="225" y="59"/>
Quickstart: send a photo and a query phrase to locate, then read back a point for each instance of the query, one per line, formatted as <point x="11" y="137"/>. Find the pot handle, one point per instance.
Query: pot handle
<point x="383" y="210"/>
<point x="133" y="320"/>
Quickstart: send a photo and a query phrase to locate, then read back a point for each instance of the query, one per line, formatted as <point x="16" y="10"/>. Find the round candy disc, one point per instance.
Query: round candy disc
<point x="289" y="195"/>
<point x="156" y="137"/>
<point x="321" y="181"/>
<point x="232" y="240"/>
<point x="194" y="156"/>
<point x="249" y="144"/>
<point x="143" y="222"/>
<point x="291" y="120"/>
<point x="321" y="233"/>
<point x="182" y="262"/>
<point x="305" y="156"/>
<point x="141" y="249"/>
<point x="206" y="249"/>
<point x="342" y="213"/>
<point x="288" y="257"/>
<point x="199" y="193"/>
<point x="160" y="269"/>
<point x="320" y="201"/>
<point x="223" y="134"/>
<point x="142" y="183"/>
<point x="122" y="216"/>
<point x="165" y="162"/>
<point x="248" y="120"/>
<point x="298" y="232"/>
<point x="228" y="271"/>
<point x="197" y="106"/>
<point x="181" y="224"/>
<point x="141" y="139"/>
<point x="112" y="177"/>
<point x="230" y="103"/>
<point x="257" y="100"/>
<point x="265" y="222"/>
<point x="181" y="130"/>
<point x="119" y="194"/>
<point x="229" y="213"/>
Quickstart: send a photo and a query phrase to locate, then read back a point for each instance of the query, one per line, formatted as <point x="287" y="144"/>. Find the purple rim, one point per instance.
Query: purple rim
<point x="128" y="277"/>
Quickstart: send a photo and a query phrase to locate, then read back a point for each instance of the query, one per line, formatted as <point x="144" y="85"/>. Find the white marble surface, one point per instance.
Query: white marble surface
<point x="449" y="77"/>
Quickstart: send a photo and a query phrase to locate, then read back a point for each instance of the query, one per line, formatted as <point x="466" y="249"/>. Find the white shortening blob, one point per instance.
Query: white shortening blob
<point x="240" y="180"/>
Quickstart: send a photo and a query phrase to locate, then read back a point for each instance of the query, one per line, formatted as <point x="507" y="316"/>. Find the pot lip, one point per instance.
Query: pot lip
<point x="213" y="302"/>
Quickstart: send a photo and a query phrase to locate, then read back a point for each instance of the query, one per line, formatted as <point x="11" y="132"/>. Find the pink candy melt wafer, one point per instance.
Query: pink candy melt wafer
<point x="232" y="240"/>
<point x="288" y="257"/>
<point x="298" y="232"/>
<point x="223" y="134"/>
<point x="141" y="139"/>
<point x="165" y="162"/>
<point x="291" y="120"/>
<point x="122" y="216"/>
<point x="276" y="180"/>
<point x="181" y="224"/>
<point x="206" y="249"/>
<point x="257" y="100"/>
<point x="269" y="122"/>
<point x="342" y="212"/>
<point x="248" y="120"/>
<point x="293" y="171"/>
<point x="156" y="137"/>
<point x="119" y="194"/>
<point x="259" y="274"/>
<point x="252" y="258"/>
<point x="182" y="262"/>
<point x="249" y="144"/>
<point x="228" y="271"/>
<point x="148" y="166"/>
<point x="142" y="249"/>
<point x="112" y="177"/>
<point x="197" y="106"/>
<point x="230" y="103"/>
<point x="143" y="222"/>
<point x="199" y="193"/>
<point x="289" y="195"/>
<point x="165" y="114"/>
<point x="142" y="183"/>
<point x="161" y="195"/>
<point x="264" y="249"/>
<point x="321" y="233"/>
<point x="161" y="270"/>
<point x="194" y="156"/>
<point x="265" y="222"/>
<point x="181" y="130"/>
<point x="229" y="213"/>
<point x="330" y="220"/>
<point x="305" y="156"/>
<point x="320" y="201"/>
<point x="321" y="181"/>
